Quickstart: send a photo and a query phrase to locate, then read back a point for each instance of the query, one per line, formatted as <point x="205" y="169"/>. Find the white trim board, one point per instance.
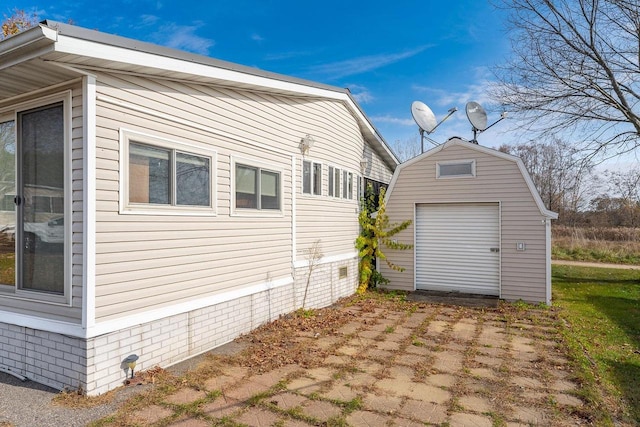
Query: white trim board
<point x="101" y="328"/>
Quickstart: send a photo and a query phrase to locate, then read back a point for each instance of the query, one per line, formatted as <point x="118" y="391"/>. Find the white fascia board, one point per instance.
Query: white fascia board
<point x="105" y="52"/>
<point x="28" y="37"/>
<point x="409" y="162"/>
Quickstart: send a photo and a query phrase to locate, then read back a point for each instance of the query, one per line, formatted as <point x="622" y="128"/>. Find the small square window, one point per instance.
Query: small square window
<point x="343" y="272"/>
<point x="457" y="169"/>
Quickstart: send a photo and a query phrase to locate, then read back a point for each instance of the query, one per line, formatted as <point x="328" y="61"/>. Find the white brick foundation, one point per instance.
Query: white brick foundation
<point x="95" y="364"/>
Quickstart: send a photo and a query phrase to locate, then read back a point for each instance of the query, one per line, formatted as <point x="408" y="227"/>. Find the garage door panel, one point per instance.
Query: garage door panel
<point x="455" y="248"/>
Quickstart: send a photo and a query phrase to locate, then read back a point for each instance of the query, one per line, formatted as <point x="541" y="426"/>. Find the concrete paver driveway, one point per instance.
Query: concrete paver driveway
<point x="374" y="361"/>
<point x="385" y="364"/>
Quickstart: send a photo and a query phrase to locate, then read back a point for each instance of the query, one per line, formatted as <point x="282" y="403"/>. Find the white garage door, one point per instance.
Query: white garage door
<point x="457" y="248"/>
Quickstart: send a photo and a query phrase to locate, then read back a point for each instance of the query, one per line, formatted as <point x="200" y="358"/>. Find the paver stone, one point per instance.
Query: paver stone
<point x="426" y="412"/>
<point x="257" y="417"/>
<point x="461" y="419"/>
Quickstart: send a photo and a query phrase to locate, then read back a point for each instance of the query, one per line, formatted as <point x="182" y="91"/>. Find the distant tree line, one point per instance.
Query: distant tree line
<point x="570" y="185"/>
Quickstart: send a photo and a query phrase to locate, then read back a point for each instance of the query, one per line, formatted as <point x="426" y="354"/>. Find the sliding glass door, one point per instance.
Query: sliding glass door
<point x="7" y="205"/>
<point x="32" y="195"/>
<point x="41" y="206"/>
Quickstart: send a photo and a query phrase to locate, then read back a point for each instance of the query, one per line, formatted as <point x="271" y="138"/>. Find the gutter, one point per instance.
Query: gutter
<point x="27" y="38"/>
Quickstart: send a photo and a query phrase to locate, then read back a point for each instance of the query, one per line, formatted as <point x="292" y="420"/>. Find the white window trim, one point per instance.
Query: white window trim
<point x="14" y="291"/>
<point x="338" y="188"/>
<point x="313" y="180"/>
<point x="247" y="212"/>
<point x="126" y="137"/>
<point x="456" y="162"/>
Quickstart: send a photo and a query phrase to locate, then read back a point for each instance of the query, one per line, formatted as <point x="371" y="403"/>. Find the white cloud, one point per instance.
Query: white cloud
<point x="361" y="94"/>
<point x="363" y="64"/>
<point x="393" y="120"/>
<point x="147" y="20"/>
<point x="257" y="38"/>
<point x="183" y="37"/>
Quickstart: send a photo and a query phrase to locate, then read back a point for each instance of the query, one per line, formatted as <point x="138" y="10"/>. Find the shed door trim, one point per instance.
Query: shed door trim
<point x="457" y="247"/>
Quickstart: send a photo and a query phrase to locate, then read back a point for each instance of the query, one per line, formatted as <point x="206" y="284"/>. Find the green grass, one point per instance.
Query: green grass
<point x="596" y="254"/>
<point x="602" y="309"/>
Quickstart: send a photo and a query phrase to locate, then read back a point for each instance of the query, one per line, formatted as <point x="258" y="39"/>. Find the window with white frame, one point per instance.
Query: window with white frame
<point x="257" y="188"/>
<point x="163" y="174"/>
<point x="311" y="178"/>
<point x="350" y="185"/>
<point x="456" y="169"/>
<point x="336" y="180"/>
<point x="345" y="184"/>
<point x="330" y="181"/>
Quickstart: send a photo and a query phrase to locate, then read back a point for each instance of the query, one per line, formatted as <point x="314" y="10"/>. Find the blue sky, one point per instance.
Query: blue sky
<point x="388" y="53"/>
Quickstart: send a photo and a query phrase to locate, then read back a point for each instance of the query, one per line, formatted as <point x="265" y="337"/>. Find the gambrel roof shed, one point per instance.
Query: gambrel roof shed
<point x="479" y="224"/>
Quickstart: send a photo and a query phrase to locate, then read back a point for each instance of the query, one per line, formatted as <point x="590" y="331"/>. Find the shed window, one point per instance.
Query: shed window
<point x="458" y="169"/>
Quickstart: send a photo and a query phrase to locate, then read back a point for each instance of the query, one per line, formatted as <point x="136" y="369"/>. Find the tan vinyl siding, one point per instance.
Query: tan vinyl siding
<point x="497" y="180"/>
<point x="376" y="169"/>
<point x="63" y="313"/>
<point x="151" y="261"/>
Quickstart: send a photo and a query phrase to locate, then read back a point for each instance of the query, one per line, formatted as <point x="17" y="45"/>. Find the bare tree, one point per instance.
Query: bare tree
<point x="575" y="68"/>
<point x="558" y="172"/>
<point x="17" y="22"/>
<point x="408" y="148"/>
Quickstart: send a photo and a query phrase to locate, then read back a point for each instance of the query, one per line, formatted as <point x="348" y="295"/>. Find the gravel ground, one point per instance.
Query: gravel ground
<point x="29" y="404"/>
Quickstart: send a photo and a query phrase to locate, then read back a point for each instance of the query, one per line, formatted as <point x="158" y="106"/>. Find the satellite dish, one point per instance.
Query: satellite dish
<point x="477" y="116"/>
<point x="426" y="120"/>
<point x="423" y="116"/>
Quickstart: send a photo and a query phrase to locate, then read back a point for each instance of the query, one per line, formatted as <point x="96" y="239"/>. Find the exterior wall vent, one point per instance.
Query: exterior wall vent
<point x="343" y="272"/>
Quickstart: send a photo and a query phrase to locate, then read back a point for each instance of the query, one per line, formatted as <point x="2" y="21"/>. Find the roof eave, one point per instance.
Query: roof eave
<point x="33" y="41"/>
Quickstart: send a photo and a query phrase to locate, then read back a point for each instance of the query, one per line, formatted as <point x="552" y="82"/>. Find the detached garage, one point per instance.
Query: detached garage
<point x="479" y="225"/>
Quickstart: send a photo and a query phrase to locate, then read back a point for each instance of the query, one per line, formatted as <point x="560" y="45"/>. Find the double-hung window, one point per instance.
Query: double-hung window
<point x="167" y="176"/>
<point x="312" y="178"/>
<point x="257" y="188"/>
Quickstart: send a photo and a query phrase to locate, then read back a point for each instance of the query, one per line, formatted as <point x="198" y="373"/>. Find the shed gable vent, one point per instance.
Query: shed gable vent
<point x="457" y="169"/>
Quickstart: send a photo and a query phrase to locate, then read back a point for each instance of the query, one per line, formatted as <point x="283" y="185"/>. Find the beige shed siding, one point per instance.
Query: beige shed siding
<point x="63" y="313"/>
<point x="145" y="261"/>
<point x="497" y="180"/>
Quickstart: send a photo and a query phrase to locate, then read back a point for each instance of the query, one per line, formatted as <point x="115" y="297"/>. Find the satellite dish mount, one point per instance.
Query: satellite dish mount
<point x="478" y="118"/>
<point x="426" y="120"/>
